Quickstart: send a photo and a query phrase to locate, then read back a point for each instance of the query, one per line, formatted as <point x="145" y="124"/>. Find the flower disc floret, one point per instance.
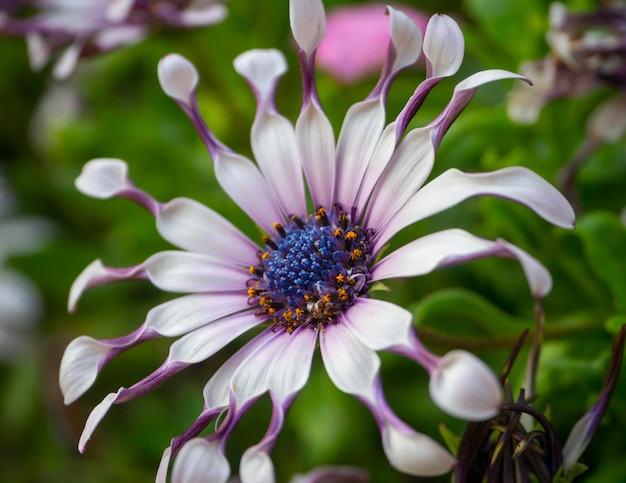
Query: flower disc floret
<point x="315" y="269"/>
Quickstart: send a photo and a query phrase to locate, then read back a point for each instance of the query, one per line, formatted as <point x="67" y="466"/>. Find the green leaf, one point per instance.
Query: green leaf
<point x="604" y="239"/>
<point x="452" y="440"/>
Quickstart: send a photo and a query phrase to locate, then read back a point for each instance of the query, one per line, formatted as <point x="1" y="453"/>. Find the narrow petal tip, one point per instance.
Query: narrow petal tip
<point x="79" y="367"/>
<point x="95" y="417"/>
<point x="415" y="453"/>
<point x="200" y="461"/>
<point x="308" y="23"/>
<point x="465" y="387"/>
<point x="178" y="77"/>
<point x="103" y="178"/>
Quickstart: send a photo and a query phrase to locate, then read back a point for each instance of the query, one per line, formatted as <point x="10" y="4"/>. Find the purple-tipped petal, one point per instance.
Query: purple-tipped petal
<point x="463" y="93"/>
<point x="379" y="324"/>
<point x="80" y="366"/>
<point x="256" y="466"/>
<point x="316" y="145"/>
<point x="103" y="178"/>
<point x="245" y="184"/>
<point x="262" y="68"/>
<point x="273" y="136"/>
<point x="308" y="23"/>
<point x="96" y="274"/>
<point x="200" y="461"/>
<point x="452" y="247"/>
<point x="178" y="78"/>
<point x="453" y="186"/>
<point x="351" y="365"/>
<point x="415" y="453"/>
<point x="443" y="46"/>
<point x="406" y="40"/>
<point x="465" y="387"/>
<point x="94" y="418"/>
<point x="194" y="227"/>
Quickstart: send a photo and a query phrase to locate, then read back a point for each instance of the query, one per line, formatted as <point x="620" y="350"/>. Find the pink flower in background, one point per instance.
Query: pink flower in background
<point x="357" y="38"/>
<point x="65" y="30"/>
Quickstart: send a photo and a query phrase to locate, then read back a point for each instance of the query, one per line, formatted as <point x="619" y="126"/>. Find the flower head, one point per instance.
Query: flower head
<point x="309" y="281"/>
<point x="70" y="29"/>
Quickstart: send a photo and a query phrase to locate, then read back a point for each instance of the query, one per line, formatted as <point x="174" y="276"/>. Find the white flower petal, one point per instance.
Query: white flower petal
<point x="79" y="366"/>
<point x="282" y="366"/>
<point x="360" y="133"/>
<point x="308" y="23"/>
<point x="406" y="38"/>
<point x="256" y="467"/>
<point x="415" y="453"/>
<point x="118" y="10"/>
<point x="38" y="51"/>
<point x="190" y="312"/>
<point x="538" y="277"/>
<point x="200" y="461"/>
<point x="316" y="143"/>
<point x="192" y="226"/>
<point x="577" y="441"/>
<point x="164" y="464"/>
<point x="103" y="178"/>
<point x="443" y="46"/>
<point x="197" y="16"/>
<point x="383" y="152"/>
<point x="453" y="186"/>
<point x="351" y="365"/>
<point x="245" y="184"/>
<point x="67" y="62"/>
<point x="407" y="170"/>
<point x="607" y="122"/>
<point x="178" y="77"/>
<point x="202" y="343"/>
<point x="95" y="417"/>
<point x="217" y="390"/>
<point x="379" y="324"/>
<point x="96" y="274"/>
<point x="262" y="68"/>
<point x="465" y="387"/>
<point x="176" y="271"/>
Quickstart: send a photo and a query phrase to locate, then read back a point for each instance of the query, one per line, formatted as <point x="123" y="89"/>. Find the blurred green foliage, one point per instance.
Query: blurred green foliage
<point x="121" y="112"/>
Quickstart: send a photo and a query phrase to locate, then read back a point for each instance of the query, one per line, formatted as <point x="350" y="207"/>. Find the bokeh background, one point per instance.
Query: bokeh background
<point x="113" y="107"/>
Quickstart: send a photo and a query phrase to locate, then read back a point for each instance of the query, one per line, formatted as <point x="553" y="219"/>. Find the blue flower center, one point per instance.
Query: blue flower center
<point x="311" y="272"/>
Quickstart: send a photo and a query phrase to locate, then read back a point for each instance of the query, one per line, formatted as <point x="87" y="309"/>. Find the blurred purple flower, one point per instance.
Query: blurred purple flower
<point x="357" y="38"/>
<point x="311" y="279"/>
<point x="587" y="53"/>
<point x="70" y="29"/>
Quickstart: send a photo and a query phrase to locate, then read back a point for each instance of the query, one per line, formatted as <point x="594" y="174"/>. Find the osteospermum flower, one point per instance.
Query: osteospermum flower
<point x="70" y="29"/>
<point x="309" y="281"/>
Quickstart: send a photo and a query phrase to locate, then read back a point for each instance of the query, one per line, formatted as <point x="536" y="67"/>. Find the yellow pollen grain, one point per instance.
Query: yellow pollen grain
<point x="327" y="298"/>
<point x="350" y="235"/>
<point x="340" y="278"/>
<point x="299" y="311"/>
<point x="265" y="255"/>
<point x="337" y="232"/>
